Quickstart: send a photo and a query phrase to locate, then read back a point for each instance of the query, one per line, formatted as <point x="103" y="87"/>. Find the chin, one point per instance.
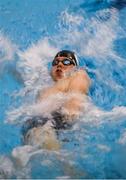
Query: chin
<point x="58" y="78"/>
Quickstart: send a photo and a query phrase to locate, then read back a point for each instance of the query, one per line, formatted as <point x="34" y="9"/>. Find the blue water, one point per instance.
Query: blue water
<point x="31" y="32"/>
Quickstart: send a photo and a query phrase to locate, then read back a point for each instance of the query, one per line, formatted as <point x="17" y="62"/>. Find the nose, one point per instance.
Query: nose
<point x="59" y="64"/>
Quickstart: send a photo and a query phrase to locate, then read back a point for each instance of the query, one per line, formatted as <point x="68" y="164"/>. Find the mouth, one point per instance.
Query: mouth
<point x="59" y="71"/>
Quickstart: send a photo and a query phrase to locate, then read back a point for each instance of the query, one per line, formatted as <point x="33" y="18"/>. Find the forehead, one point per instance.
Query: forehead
<point x="61" y="58"/>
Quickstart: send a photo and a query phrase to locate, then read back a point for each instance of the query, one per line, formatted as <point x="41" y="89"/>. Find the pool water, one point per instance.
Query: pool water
<point x="31" y="33"/>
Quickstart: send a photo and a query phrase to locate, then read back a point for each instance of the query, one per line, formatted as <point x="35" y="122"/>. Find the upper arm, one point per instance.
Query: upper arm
<point x="80" y="82"/>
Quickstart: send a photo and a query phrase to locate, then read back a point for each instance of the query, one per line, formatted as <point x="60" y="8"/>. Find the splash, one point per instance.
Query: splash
<point x="7" y="52"/>
<point x="7" y="48"/>
<point x="34" y="61"/>
<point x="122" y="139"/>
<point x="93" y="36"/>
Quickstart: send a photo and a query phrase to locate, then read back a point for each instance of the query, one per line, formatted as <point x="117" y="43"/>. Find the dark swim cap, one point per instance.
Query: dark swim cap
<point x="69" y="54"/>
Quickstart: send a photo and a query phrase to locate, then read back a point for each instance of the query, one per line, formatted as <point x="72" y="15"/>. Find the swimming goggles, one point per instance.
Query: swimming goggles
<point x="65" y="62"/>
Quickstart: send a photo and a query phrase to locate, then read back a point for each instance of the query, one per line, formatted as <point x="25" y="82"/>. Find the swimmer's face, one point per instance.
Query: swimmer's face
<point x="61" y="66"/>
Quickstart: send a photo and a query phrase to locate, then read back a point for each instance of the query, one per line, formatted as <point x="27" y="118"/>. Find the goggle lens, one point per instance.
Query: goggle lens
<point x="65" y="62"/>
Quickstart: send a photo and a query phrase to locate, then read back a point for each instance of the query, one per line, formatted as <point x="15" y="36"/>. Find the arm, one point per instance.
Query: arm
<point x="78" y="85"/>
<point x="79" y="82"/>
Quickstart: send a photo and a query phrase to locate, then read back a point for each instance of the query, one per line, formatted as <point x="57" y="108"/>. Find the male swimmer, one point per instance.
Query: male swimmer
<point x="41" y="131"/>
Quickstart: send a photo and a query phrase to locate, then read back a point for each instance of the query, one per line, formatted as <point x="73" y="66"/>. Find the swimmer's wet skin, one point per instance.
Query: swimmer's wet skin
<point x="41" y="131"/>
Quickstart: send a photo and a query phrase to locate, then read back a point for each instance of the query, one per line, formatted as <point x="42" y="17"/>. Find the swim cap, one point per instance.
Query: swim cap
<point x="68" y="54"/>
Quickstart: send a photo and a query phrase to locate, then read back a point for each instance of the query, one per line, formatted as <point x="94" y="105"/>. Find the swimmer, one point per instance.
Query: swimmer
<point x="68" y="79"/>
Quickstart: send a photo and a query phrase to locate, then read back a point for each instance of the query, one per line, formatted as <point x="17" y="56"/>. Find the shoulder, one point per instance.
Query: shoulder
<point x="80" y="81"/>
<point x="81" y="74"/>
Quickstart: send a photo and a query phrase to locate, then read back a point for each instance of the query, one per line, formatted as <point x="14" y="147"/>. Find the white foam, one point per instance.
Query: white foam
<point x="103" y="147"/>
<point x="98" y="46"/>
<point x="96" y="37"/>
<point x="70" y="20"/>
<point x="7" y="48"/>
<point x="33" y="61"/>
<point x="46" y="162"/>
<point x="97" y="116"/>
<point x="122" y="139"/>
<point x="22" y="154"/>
<point x="43" y="108"/>
<point x="6" y="167"/>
